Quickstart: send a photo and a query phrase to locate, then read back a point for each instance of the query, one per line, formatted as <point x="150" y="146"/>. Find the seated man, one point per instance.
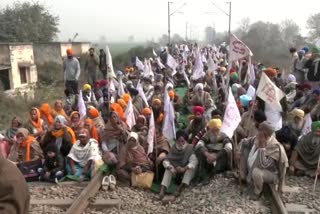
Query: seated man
<point x="84" y="157"/>
<point x="133" y="159"/>
<point x="181" y="160"/>
<point x="306" y="153"/>
<point x="213" y="151"/>
<point x="262" y="159"/>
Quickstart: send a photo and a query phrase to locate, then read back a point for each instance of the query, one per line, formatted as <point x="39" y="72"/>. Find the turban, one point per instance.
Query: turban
<point x="259" y="116"/>
<point x="133" y="91"/>
<point x="103" y="82"/>
<point x="271" y="73"/>
<point x="182" y="133"/>
<point x="234" y="88"/>
<point x="316" y="92"/>
<point x="122" y="103"/>
<point x="198" y="109"/>
<point x="245" y="99"/>
<point x="306" y="49"/>
<point x="61" y="119"/>
<point x="315" y="126"/>
<point x="93" y="112"/>
<point x="223" y="69"/>
<point x="267" y="127"/>
<point x="215" y="123"/>
<point x="297" y="113"/>
<point x="126" y="98"/>
<point x="198" y="87"/>
<point x="234" y="76"/>
<point x="96" y="84"/>
<point x="171" y="94"/>
<point x="87" y="87"/>
<point x="146" y="111"/>
<point x="74" y="113"/>
<point x="156" y="102"/>
<point x="306" y="86"/>
<point x="301" y="52"/>
<point x="232" y="70"/>
<point x="69" y="52"/>
<point x="117" y="108"/>
<point x="291" y="78"/>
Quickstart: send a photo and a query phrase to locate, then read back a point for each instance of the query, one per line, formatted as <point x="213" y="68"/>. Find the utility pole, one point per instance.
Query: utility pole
<point x="169" y="22"/>
<point x="229" y="20"/>
<point x="186" y="31"/>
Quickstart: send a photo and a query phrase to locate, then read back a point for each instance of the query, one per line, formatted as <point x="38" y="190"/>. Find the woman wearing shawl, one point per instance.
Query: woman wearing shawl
<point x="89" y="125"/>
<point x="35" y="125"/>
<point x="304" y="158"/>
<point x="58" y="109"/>
<point x="45" y="111"/>
<point x="9" y="136"/>
<point x="61" y="135"/>
<point x="26" y="148"/>
<point x="117" y="108"/>
<point x="84" y="157"/>
<point x="94" y="115"/>
<point x="133" y="159"/>
<point x="75" y="122"/>
<point x="141" y="128"/>
<point x="113" y="138"/>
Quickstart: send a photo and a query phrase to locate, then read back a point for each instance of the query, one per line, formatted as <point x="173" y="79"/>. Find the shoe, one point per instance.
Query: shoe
<point x="105" y="183"/>
<point x="112" y="182"/>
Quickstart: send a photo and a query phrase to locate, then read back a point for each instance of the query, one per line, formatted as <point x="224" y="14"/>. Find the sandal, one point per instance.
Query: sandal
<point x="112" y="182"/>
<point x="105" y="183"/>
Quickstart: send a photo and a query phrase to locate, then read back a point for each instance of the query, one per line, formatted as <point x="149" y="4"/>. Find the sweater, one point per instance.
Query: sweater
<point x="71" y="69"/>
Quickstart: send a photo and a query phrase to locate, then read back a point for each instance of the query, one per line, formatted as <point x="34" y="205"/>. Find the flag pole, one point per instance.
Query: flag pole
<point x="316" y="178"/>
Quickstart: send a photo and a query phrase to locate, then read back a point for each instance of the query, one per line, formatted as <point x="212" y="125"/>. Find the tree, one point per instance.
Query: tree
<point x="210" y="34"/>
<point x="176" y="38"/>
<point x="290" y="32"/>
<point x="244" y="26"/>
<point x="163" y="40"/>
<point x="27" y="22"/>
<point x="313" y="24"/>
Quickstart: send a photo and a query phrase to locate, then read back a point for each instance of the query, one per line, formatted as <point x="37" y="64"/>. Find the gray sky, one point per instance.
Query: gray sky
<point x="147" y="19"/>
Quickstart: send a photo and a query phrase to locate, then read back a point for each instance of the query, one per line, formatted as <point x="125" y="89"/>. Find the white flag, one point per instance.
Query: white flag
<point x="238" y="49"/>
<point x="252" y="75"/>
<point x="81" y="106"/>
<point x="269" y="92"/>
<point x="159" y="63"/>
<point x="231" y="117"/>
<point x="211" y="65"/>
<point x="251" y="92"/>
<point x="130" y="119"/>
<point x="142" y="94"/>
<point x="154" y="53"/>
<point x="307" y="124"/>
<point x="169" y="130"/>
<point x="139" y="64"/>
<point x="198" y="67"/>
<point x="111" y="73"/>
<point x="120" y="88"/>
<point x="151" y="134"/>
<point x="147" y="69"/>
<point x="171" y="62"/>
<point x="112" y="91"/>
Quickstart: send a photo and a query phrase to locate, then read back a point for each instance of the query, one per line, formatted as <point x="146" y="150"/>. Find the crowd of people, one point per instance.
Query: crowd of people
<point x="165" y="115"/>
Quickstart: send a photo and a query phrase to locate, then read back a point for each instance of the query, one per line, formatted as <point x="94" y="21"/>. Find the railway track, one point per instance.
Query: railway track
<point x="276" y="203"/>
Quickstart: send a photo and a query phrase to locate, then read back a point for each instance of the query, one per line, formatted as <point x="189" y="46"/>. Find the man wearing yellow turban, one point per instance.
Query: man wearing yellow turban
<point x="88" y="96"/>
<point x="213" y="152"/>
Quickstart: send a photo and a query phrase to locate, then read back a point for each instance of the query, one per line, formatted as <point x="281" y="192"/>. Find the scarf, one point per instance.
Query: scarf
<point x="27" y="144"/>
<point x="46" y="113"/>
<point x="308" y="150"/>
<point x="82" y="154"/>
<point x="93" y="131"/>
<point x="59" y="133"/>
<point x="37" y="124"/>
<point x="137" y="156"/>
<point x="56" y="112"/>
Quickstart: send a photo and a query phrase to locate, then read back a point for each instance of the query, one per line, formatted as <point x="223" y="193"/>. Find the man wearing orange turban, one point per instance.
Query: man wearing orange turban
<point x="270" y="72"/>
<point x="126" y="98"/>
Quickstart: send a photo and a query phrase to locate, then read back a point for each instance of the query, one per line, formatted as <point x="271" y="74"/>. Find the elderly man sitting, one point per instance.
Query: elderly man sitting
<point x="304" y="158"/>
<point x="262" y="159"/>
<point x="181" y="160"/>
<point x="84" y="156"/>
<point x="213" y="151"/>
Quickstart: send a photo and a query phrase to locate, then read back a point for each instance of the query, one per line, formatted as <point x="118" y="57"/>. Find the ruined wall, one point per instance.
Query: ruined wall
<point x="47" y="52"/>
<point x="4" y="54"/>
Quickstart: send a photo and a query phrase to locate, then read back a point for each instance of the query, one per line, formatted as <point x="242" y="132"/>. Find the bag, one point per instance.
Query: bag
<point x="142" y="180"/>
<point x="29" y="169"/>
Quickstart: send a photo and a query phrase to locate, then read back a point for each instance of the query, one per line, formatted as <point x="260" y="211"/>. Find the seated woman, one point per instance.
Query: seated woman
<point x="45" y="111"/>
<point x="9" y="136"/>
<point x="141" y="129"/>
<point x="75" y="122"/>
<point x="98" y="121"/>
<point x="304" y="158"/>
<point x="58" y="110"/>
<point x="61" y="135"/>
<point x="26" y="148"/>
<point x="89" y="125"/>
<point x="182" y="161"/>
<point x="35" y="125"/>
<point x="113" y="138"/>
<point x="213" y="151"/>
<point x="84" y="157"/>
<point x="133" y="159"/>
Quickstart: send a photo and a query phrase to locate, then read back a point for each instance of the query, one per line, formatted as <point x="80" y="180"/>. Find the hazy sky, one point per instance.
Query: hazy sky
<point x="147" y="19"/>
